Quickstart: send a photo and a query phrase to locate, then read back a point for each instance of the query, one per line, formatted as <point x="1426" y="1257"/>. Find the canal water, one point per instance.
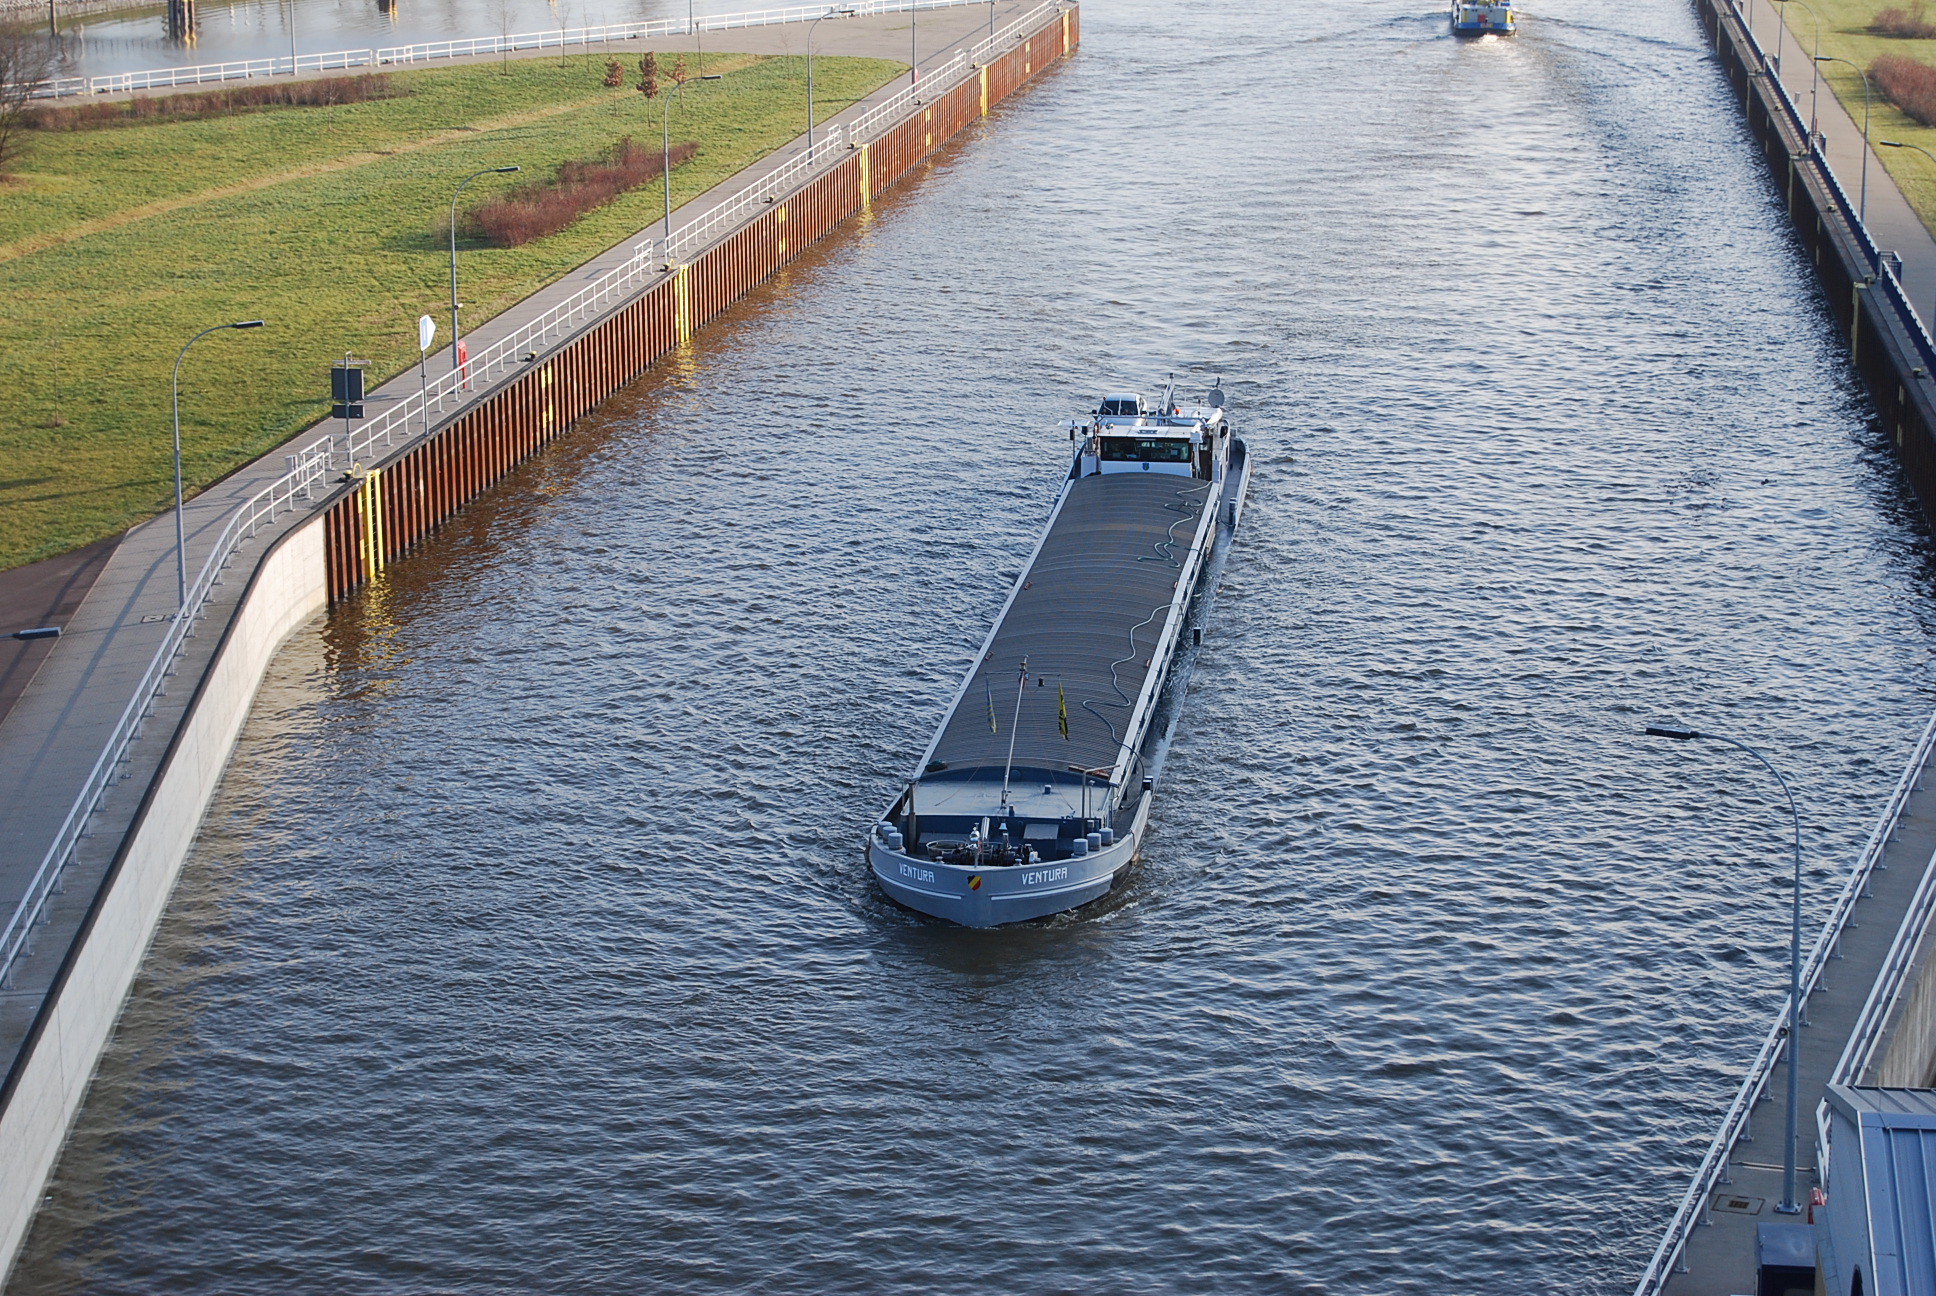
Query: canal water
<point x="528" y="945"/>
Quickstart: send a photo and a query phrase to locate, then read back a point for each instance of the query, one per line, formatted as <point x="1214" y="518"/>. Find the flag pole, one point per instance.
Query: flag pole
<point x="1014" y="724"/>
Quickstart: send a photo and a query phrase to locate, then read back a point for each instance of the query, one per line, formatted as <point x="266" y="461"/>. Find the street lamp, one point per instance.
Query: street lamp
<point x="505" y="170"/>
<point x="845" y="13"/>
<point x="181" y="533"/>
<point x="1862" y="205"/>
<point x="1814" y="67"/>
<point x="1932" y="157"/>
<point x="1787" y="1205"/>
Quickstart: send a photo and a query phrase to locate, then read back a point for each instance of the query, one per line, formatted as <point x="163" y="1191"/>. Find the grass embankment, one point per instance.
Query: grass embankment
<point x="1846" y="34"/>
<point x="118" y="245"/>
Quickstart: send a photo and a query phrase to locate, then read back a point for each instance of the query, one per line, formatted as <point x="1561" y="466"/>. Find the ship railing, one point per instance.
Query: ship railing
<point x="410" y="419"/>
<point x="472" y="47"/>
<point x="1712" y="1171"/>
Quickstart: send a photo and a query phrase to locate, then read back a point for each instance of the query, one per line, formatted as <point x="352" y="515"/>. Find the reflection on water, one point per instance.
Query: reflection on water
<point x="528" y="945"/>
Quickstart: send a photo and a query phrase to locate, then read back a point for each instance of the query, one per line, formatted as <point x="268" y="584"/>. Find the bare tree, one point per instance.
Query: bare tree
<point x="25" y="61"/>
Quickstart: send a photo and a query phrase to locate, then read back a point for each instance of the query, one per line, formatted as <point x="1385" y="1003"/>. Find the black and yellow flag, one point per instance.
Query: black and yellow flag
<point x="1061" y="711"/>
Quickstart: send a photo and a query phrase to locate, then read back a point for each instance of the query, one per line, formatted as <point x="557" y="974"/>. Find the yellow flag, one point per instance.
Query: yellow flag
<point x="1061" y="711"/>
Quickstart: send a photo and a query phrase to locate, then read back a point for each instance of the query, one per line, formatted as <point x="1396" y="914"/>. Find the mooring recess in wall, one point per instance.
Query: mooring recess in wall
<point x="390" y="510"/>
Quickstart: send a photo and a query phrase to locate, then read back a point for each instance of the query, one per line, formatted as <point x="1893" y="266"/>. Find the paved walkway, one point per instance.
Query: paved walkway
<point x="38" y="595"/>
<point x="52" y="738"/>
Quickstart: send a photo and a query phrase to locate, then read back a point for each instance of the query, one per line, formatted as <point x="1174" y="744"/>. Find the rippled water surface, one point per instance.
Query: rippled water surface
<point x="528" y="946"/>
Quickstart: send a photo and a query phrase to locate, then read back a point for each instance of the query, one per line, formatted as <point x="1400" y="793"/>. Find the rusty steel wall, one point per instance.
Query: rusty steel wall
<point x="380" y="518"/>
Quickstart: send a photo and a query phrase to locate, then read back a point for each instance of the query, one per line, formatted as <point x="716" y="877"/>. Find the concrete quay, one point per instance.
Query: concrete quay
<point x="63" y="995"/>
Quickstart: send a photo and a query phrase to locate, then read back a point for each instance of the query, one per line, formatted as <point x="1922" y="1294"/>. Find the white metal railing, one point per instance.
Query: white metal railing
<point x="1693" y="1207"/>
<point x="429" y="51"/>
<point x="315" y="461"/>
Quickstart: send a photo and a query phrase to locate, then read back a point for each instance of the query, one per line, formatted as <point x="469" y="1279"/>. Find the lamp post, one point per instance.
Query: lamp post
<point x="1862" y="204"/>
<point x="1932" y="157"/>
<point x="181" y="531"/>
<point x="454" y="334"/>
<point x="847" y="13"/>
<point x="1787" y="1205"/>
<point x="1814" y="67"/>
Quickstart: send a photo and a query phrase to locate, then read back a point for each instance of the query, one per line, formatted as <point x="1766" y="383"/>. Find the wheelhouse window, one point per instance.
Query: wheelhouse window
<point x="1146" y="449"/>
<point x="1116" y="408"/>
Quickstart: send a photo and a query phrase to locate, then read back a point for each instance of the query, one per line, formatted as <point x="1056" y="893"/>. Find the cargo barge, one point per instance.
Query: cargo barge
<point x="1034" y="795"/>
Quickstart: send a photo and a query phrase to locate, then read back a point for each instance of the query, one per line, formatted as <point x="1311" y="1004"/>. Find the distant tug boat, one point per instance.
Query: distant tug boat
<point x="1034" y="795"/>
<point x="1471" y="18"/>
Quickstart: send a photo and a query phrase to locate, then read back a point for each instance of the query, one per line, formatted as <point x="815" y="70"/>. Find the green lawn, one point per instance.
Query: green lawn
<point x="1845" y="34"/>
<point x="117" y="245"/>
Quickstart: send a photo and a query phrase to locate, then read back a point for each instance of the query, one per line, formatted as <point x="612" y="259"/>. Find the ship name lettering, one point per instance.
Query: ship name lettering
<point x="1044" y="875"/>
<point x="918" y="874"/>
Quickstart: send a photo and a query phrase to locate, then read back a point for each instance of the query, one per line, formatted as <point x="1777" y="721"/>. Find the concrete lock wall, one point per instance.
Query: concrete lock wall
<point x="378" y="519"/>
<point x="81" y="1009"/>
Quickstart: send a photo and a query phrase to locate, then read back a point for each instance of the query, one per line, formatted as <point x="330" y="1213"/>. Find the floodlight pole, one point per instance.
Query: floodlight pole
<point x="1815" y="65"/>
<point x="504" y="170"/>
<point x="1868" y="94"/>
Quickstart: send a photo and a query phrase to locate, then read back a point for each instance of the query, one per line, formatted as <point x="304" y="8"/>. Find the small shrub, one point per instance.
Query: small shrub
<point x="323" y="92"/>
<point x="679" y="70"/>
<point x="1908" y="84"/>
<point x="1905" y="25"/>
<point x="532" y="211"/>
<point x="614" y="74"/>
<point x="649" y="75"/>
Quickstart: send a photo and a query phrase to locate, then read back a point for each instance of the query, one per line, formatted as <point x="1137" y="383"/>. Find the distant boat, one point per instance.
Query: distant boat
<point x="1477" y="18"/>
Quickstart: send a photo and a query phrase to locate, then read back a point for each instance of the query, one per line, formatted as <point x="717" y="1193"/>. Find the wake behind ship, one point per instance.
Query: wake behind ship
<point x="1035" y="793"/>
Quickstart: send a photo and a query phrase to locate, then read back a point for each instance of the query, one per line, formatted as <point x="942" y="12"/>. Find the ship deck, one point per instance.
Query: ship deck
<point x="1096" y="594"/>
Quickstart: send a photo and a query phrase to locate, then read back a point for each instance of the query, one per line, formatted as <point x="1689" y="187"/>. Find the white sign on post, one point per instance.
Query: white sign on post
<point x="426" y="332"/>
